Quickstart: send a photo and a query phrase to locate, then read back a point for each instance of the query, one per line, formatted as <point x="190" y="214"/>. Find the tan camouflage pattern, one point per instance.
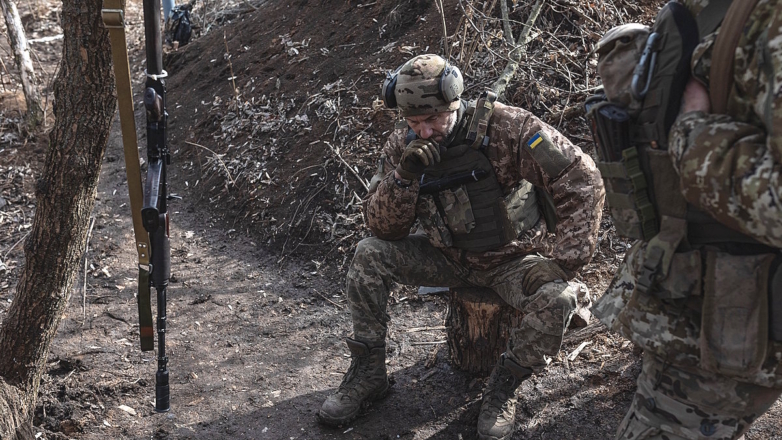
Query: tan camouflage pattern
<point x="413" y="260"/>
<point x="619" y="48"/>
<point x="417" y="88"/>
<point x="730" y="165"/>
<point x="670" y="328"/>
<point x="458" y="210"/>
<point x="578" y="195"/>
<point x="665" y="408"/>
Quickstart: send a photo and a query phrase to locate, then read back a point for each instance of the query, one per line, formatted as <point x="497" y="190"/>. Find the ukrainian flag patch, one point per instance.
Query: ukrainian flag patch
<point x="537" y="139"/>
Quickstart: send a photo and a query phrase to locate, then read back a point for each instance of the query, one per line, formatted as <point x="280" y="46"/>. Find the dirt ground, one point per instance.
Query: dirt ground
<point x="274" y="130"/>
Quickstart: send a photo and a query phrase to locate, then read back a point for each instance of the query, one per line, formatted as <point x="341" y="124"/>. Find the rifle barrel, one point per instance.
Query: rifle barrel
<point x="153" y="43"/>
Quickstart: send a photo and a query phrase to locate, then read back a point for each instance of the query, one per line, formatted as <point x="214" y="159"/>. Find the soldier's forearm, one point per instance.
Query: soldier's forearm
<point x="579" y="196"/>
<point x="729" y="170"/>
<point x="390" y="211"/>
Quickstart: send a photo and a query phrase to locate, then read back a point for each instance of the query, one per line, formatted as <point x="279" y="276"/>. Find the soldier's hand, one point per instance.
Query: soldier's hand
<point x="539" y="271"/>
<point x="695" y="98"/>
<point x="418" y="155"/>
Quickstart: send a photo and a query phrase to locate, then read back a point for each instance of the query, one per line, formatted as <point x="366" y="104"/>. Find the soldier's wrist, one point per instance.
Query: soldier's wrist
<point x="401" y="181"/>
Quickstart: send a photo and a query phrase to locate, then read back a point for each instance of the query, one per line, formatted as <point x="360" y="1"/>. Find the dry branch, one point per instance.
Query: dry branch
<point x="352" y="171"/>
<point x="18" y="42"/>
<point x="508" y="32"/>
<point x="501" y="84"/>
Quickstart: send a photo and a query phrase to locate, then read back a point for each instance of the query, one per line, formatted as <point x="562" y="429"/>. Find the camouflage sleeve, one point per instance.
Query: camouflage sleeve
<point x="578" y="196"/>
<point x="730" y="168"/>
<point x="389" y="211"/>
<point x="549" y="160"/>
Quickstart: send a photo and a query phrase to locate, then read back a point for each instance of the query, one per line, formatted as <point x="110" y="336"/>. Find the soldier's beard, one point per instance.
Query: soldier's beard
<point x="441" y="137"/>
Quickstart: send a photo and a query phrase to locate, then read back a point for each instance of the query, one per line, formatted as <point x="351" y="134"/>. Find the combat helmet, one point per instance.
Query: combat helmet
<point x="423" y="85"/>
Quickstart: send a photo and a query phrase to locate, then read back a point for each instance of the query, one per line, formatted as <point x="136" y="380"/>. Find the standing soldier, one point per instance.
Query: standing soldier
<point x="703" y="297"/>
<point x="466" y="171"/>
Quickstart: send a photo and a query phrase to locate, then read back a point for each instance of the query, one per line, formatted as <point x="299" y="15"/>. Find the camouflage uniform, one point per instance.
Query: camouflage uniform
<point x="484" y="231"/>
<point x="729" y="167"/>
<point x="395" y="256"/>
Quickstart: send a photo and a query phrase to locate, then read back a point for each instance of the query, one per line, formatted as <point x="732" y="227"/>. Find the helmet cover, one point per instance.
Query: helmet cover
<point x="419" y="85"/>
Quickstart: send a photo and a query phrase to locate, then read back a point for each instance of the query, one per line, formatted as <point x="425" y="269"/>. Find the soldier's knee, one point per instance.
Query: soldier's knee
<point x="561" y="293"/>
<point x="368" y="251"/>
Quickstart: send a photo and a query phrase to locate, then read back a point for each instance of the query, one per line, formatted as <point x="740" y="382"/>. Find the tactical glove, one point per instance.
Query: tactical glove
<point x="418" y="155"/>
<point x="539" y="271"/>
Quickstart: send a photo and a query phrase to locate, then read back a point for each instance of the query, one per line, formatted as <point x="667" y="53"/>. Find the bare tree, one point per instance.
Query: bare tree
<point x="84" y="108"/>
<point x="18" y="43"/>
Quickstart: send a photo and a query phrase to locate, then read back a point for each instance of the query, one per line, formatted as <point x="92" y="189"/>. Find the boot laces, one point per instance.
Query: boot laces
<point x="502" y="391"/>
<point x="359" y="368"/>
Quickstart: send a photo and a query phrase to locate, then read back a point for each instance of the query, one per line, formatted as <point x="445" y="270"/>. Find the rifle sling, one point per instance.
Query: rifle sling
<point x="723" y="52"/>
<point x="113" y="18"/>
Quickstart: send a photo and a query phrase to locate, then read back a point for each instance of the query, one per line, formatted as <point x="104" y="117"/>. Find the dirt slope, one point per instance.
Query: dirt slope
<point x="270" y="212"/>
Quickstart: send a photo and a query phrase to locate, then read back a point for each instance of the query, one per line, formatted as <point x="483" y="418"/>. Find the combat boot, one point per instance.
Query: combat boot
<point x="365" y="381"/>
<point x="498" y="408"/>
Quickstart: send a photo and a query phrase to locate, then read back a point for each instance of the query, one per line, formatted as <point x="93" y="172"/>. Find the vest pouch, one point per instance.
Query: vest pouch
<point x="684" y="277"/>
<point x="646" y="318"/>
<point x="627" y="196"/>
<point x="735" y="315"/>
<point x="432" y="223"/>
<point x="457" y="209"/>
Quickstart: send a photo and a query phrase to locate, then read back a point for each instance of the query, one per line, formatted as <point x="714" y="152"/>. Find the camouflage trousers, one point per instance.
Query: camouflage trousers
<point x="673" y="403"/>
<point x="378" y="263"/>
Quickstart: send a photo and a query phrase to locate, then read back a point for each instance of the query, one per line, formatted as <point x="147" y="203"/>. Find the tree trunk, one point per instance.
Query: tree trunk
<point x="479" y="323"/>
<point x="18" y="43"/>
<point x="84" y="108"/>
<point x="478" y="326"/>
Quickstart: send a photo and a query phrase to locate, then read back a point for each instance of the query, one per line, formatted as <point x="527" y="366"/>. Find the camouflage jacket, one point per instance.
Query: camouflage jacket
<point x="729" y="165"/>
<point x="577" y="190"/>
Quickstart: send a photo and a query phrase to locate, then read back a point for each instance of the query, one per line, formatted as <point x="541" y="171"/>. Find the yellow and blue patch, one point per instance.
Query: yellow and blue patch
<point x="535" y="141"/>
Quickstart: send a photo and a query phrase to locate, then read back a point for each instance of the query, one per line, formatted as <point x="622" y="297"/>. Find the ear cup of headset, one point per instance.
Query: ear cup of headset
<point x="387" y="92"/>
<point x="451" y="83"/>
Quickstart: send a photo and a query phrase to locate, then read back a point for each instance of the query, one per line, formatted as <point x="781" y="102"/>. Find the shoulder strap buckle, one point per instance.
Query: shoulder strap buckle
<point x="659" y="252"/>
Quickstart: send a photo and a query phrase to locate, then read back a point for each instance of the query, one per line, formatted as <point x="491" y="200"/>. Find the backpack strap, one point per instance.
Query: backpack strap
<point x="721" y="74"/>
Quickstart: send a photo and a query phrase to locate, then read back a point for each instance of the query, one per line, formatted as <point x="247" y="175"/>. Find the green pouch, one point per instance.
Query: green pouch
<point x="734" y="328"/>
<point x="458" y="210"/>
<point x="432" y="223"/>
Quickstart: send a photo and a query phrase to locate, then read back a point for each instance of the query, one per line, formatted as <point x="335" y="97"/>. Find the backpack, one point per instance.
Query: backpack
<point x="645" y="71"/>
<point x="180" y="26"/>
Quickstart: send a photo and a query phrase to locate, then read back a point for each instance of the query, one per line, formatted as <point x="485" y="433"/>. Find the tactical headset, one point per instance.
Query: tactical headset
<point x="450" y="85"/>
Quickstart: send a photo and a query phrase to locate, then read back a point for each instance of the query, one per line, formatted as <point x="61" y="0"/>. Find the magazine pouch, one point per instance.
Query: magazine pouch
<point x="735" y="314"/>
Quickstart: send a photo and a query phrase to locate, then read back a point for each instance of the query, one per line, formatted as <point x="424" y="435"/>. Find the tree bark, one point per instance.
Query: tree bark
<point x="479" y="323"/>
<point x="478" y="326"/>
<point x="65" y="194"/>
<point x="18" y="43"/>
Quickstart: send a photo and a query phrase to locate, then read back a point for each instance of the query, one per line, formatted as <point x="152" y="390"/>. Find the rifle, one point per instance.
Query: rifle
<point x="444" y="183"/>
<point x="148" y="204"/>
<point x="155" y="213"/>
